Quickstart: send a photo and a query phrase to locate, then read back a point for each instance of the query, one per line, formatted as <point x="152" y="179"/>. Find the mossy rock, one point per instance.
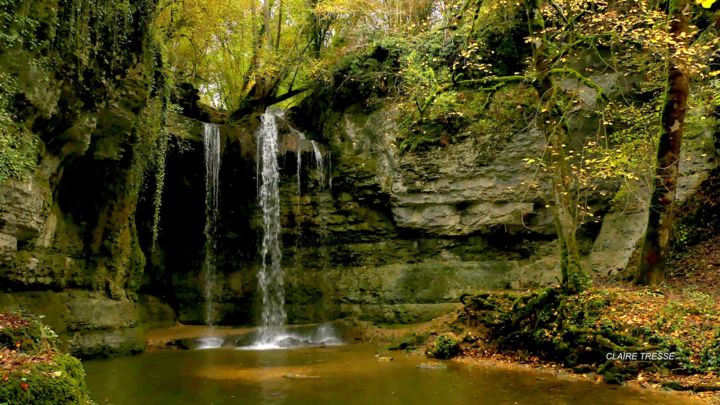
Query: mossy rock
<point x="59" y="381"/>
<point x="445" y="347"/>
<point x="33" y="372"/>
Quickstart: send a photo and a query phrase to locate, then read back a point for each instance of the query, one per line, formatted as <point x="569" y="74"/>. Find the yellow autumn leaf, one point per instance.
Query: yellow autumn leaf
<point x="705" y="3"/>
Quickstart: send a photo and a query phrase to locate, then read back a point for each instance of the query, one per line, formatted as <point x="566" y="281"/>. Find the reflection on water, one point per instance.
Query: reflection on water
<point x="331" y="375"/>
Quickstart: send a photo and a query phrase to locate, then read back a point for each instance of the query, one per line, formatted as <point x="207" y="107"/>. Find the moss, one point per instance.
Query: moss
<point x="58" y="381"/>
<point x="408" y="342"/>
<point x="33" y="371"/>
<point x="445" y="347"/>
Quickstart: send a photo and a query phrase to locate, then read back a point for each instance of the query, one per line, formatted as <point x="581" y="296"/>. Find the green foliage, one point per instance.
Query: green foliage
<point x="448" y="79"/>
<point x="490" y="118"/>
<point x="370" y="75"/>
<point x="157" y="126"/>
<point x="18" y="29"/>
<point x="27" y="334"/>
<point x="86" y="44"/>
<point x="445" y="347"/>
<point x="710" y="356"/>
<point x="18" y="147"/>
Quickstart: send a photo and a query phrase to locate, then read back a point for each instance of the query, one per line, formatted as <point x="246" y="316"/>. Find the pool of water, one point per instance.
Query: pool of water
<point x="348" y="374"/>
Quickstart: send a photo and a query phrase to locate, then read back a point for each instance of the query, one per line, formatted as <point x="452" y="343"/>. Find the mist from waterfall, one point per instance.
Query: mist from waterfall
<point x="211" y="142"/>
<point x="270" y="276"/>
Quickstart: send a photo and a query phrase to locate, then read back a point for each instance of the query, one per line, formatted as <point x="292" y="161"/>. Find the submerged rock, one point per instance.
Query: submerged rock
<point x="294" y="376"/>
<point x="432" y="365"/>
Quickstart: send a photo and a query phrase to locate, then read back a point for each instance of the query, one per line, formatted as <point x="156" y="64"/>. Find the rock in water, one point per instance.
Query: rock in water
<point x="293" y="376"/>
<point x="432" y="365"/>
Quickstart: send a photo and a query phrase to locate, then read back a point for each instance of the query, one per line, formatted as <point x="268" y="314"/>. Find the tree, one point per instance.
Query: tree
<point x="243" y="55"/>
<point x="662" y="202"/>
<point x="660" y="221"/>
<point x="551" y="122"/>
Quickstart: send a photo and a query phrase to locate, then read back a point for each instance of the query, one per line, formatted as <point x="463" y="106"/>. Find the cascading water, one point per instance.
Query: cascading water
<point x="211" y="141"/>
<point x="322" y="202"/>
<point x="273" y="333"/>
<point x="298" y="154"/>
<point x="211" y="147"/>
<point x="319" y="165"/>
<point x="270" y="277"/>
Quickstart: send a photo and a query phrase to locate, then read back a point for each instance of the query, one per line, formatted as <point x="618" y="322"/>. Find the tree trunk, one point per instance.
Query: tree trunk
<point x="574" y="276"/>
<point x="279" y="25"/>
<point x="660" y="220"/>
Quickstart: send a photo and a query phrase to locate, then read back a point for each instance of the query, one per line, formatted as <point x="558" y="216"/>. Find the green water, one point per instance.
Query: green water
<point x="333" y="375"/>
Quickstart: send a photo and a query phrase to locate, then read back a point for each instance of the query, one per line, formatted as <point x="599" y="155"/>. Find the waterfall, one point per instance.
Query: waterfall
<point x="319" y="165"/>
<point x="270" y="276"/>
<point x="273" y="333"/>
<point x="300" y="139"/>
<point x="211" y="142"/>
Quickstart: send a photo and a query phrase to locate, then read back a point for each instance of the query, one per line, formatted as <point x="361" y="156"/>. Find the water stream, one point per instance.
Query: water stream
<point x="270" y="276"/>
<point x="298" y="155"/>
<point x="211" y="142"/>
<point x="319" y="165"/>
<point x="272" y="333"/>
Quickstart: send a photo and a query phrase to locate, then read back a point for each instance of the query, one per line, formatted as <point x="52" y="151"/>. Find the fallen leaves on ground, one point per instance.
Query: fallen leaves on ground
<point x="686" y="309"/>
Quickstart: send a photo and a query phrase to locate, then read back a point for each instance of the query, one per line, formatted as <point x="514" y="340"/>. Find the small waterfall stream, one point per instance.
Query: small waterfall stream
<point x="211" y="142"/>
<point x="319" y="164"/>
<point x="270" y="276"/>
<point x="273" y="332"/>
<point x="300" y="140"/>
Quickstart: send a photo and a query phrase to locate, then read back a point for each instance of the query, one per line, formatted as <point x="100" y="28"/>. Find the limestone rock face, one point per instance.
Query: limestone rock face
<point x="618" y="246"/>
<point x="69" y="241"/>
<point x="372" y="234"/>
<point x="619" y="239"/>
<point x="91" y="324"/>
<point x="450" y="191"/>
<point x="698" y="158"/>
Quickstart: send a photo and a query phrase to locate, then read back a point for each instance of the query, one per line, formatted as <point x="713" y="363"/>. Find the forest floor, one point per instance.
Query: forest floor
<point x="683" y="314"/>
<point x="17" y="350"/>
<point x="32" y="370"/>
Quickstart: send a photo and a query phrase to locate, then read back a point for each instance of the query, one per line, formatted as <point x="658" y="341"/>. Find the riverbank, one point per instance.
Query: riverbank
<point x="665" y="337"/>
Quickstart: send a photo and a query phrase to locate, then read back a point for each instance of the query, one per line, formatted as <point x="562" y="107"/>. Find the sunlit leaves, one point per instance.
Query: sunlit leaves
<point x="705" y="3"/>
<point x="230" y="49"/>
